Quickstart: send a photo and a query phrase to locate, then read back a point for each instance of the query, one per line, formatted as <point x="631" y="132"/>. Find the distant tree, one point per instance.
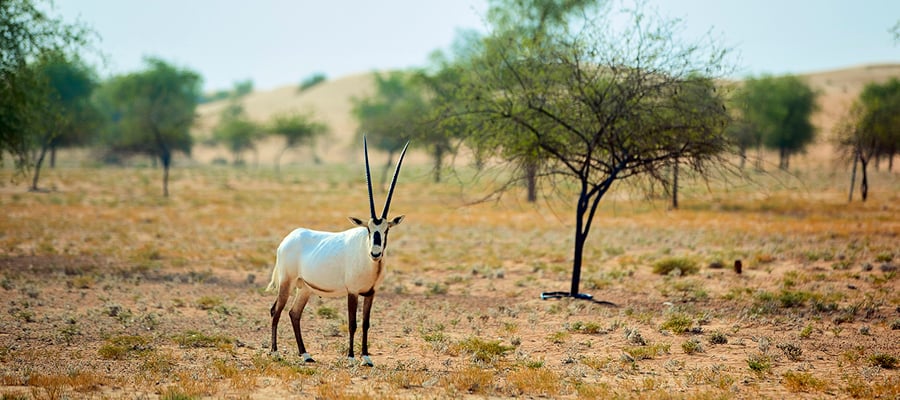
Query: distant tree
<point x="67" y="114"/>
<point x="237" y="132"/>
<point x="596" y="101"/>
<point x="694" y="110"/>
<point x="26" y="32"/>
<point x="242" y="88"/>
<point x="311" y="81"/>
<point x="298" y="129"/>
<point x="151" y="112"/>
<point x="871" y="128"/>
<point x="895" y="31"/>
<point x="781" y="108"/>
<point x="390" y="116"/>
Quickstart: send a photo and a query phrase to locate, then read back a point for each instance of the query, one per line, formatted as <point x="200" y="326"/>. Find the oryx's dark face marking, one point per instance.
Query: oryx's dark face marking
<point x="378" y="228"/>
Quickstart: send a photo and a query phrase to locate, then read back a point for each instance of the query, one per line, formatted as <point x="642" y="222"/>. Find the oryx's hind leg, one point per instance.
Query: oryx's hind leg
<point x="295" y="313"/>
<point x="367" y="309"/>
<point x="284" y="292"/>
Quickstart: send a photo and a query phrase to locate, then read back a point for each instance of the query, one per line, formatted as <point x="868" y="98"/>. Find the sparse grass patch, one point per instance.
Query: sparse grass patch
<point x="883" y="360"/>
<point x="805" y="382"/>
<point x="585" y="327"/>
<point x="209" y="302"/>
<point x="198" y="339"/>
<point x="558" y="337"/>
<point x="120" y="347"/>
<point x="792" y="351"/>
<point x="471" y="380"/>
<point x="481" y="350"/>
<point x="678" y="323"/>
<point x="534" y="382"/>
<point x="759" y="363"/>
<point x="717" y="337"/>
<point x="649" y="351"/>
<point x="327" y="312"/>
<point x="691" y="346"/>
<point x="676" y="266"/>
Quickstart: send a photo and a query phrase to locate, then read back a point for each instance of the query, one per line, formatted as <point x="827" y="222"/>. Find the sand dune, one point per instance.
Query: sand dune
<point x="331" y="102"/>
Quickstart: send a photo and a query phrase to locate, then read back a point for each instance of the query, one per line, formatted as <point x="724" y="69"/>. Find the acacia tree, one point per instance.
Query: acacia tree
<point x="298" y="129"/>
<point x="237" y="132"/>
<point x="595" y="102"/>
<point x="151" y="112"/>
<point x="391" y="116"/>
<point x="780" y="108"/>
<point x="27" y="32"/>
<point x="67" y="115"/>
<point x="871" y="128"/>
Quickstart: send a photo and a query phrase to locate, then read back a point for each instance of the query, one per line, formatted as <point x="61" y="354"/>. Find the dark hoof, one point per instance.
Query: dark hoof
<point x="307" y="358"/>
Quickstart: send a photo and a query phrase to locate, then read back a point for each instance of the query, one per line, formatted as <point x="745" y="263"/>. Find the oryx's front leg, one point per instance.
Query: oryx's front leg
<point x="367" y="308"/>
<point x="295" y="313"/>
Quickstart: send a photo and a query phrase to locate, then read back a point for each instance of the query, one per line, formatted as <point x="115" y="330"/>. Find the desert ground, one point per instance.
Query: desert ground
<point x="110" y="290"/>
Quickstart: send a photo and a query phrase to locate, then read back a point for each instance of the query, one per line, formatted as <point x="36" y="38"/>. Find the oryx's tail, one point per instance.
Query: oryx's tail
<point x="276" y="279"/>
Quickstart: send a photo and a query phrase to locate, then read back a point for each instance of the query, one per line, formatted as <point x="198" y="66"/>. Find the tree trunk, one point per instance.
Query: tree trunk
<point x="743" y="154"/>
<point x="166" y="159"/>
<point x="531" y="180"/>
<point x="387" y="167"/>
<point x="853" y="176"/>
<point x="37" y="169"/>
<point x="438" y="163"/>
<point x="579" y="244"/>
<point x="675" y="185"/>
<point x="864" y="185"/>
<point x="52" y="157"/>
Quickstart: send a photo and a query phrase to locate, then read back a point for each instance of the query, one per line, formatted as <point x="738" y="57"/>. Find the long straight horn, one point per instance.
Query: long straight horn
<point x="369" y="179"/>
<point x="387" y="202"/>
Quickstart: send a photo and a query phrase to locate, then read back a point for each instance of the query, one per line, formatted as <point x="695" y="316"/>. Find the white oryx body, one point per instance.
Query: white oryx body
<point x="332" y="264"/>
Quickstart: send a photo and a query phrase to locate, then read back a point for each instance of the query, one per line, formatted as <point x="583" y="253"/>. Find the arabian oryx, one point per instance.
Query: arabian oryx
<point x="332" y="264"/>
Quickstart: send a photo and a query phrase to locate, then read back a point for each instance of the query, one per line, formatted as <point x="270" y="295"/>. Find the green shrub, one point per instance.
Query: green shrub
<point x="678" y="323"/>
<point x="684" y="266"/>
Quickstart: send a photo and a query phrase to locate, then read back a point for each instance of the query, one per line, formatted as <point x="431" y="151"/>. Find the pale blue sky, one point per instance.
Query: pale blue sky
<point x="280" y="42"/>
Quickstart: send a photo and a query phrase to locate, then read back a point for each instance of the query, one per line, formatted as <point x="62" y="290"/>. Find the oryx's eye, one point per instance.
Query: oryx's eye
<point x="376" y="239"/>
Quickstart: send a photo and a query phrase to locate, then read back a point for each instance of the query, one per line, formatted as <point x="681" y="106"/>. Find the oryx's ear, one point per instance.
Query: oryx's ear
<point x="357" y="221"/>
<point x="396" y="221"/>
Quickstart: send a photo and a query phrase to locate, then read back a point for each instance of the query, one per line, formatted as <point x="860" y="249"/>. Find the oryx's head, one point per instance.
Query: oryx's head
<point x="378" y="226"/>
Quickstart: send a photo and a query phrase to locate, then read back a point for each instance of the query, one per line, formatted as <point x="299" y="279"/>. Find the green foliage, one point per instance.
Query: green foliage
<point x="119" y="347"/>
<point x="237" y="132"/>
<point x="759" y="363"/>
<point x="151" y="112"/>
<point x="779" y="108"/>
<point x="869" y="129"/>
<point x="311" y="81"/>
<point x="327" y="312"/>
<point x="684" y="266"/>
<point x="28" y="33"/>
<point x="883" y="360"/>
<point x="678" y="323"/>
<point x="648" y="351"/>
<point x="691" y="346"/>
<point x="482" y="350"/>
<point x="392" y="115"/>
<point x="298" y="129"/>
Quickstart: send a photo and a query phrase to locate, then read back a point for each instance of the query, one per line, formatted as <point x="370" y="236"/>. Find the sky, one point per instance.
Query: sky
<point x="282" y="42"/>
